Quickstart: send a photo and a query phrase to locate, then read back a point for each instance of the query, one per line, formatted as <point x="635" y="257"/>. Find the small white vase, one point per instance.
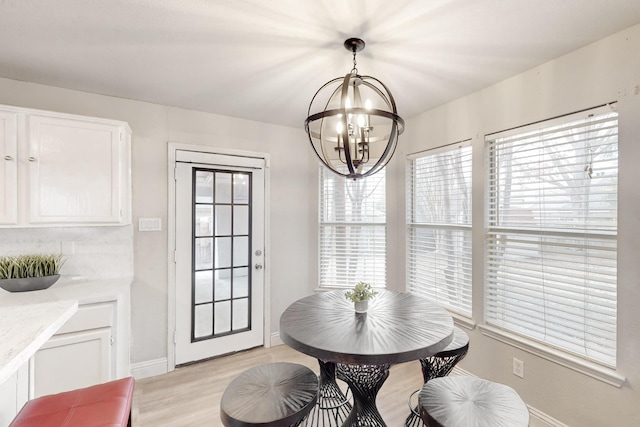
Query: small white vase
<point x="361" y="306"/>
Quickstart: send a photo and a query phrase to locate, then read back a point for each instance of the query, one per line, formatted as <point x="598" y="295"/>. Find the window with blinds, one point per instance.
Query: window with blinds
<point x="352" y="230"/>
<point x="439" y="227"/>
<point x="550" y="263"/>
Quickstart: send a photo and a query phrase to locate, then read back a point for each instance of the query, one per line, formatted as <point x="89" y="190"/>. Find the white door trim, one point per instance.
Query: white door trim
<point x="173" y="148"/>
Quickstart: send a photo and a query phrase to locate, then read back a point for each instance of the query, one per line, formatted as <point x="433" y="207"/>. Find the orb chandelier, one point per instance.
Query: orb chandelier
<point x="353" y="123"/>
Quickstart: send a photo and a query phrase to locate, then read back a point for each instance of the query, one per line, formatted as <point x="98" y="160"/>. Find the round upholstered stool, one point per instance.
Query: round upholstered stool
<point x="274" y="395"/>
<point x="439" y="365"/>
<point x="459" y="401"/>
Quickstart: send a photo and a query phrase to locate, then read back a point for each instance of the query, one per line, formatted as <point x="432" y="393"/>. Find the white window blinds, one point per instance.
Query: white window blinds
<point x="439" y="227"/>
<point x="352" y="230"/>
<point x="550" y="263"/>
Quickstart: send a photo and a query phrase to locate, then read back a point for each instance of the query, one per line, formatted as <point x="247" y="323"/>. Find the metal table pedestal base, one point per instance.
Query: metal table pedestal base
<point x="364" y="382"/>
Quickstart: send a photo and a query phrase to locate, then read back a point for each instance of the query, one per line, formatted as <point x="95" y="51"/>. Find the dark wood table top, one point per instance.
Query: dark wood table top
<point x="398" y="327"/>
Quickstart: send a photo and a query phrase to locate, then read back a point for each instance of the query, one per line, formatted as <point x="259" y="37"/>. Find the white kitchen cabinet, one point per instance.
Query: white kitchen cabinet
<point x="8" y="167"/>
<point x="14" y="393"/>
<point x="82" y="353"/>
<point x="64" y="169"/>
<point x="91" y="346"/>
<point x="76" y="360"/>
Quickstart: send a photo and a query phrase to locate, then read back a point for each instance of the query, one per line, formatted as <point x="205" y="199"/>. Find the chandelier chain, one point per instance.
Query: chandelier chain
<point x="354" y="70"/>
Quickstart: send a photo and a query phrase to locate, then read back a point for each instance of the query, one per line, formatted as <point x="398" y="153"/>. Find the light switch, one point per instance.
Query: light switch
<point x="149" y="224"/>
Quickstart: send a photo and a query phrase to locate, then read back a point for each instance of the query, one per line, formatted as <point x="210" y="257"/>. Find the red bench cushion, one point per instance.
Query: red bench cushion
<point x="103" y="405"/>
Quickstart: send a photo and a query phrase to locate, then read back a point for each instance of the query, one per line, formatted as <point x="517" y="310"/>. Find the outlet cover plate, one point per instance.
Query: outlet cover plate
<point x="518" y="368"/>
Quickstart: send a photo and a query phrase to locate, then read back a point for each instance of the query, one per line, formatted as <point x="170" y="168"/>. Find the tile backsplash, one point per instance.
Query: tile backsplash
<point x="89" y="252"/>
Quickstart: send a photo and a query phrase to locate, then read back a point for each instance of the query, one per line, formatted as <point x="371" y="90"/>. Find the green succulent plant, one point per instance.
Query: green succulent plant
<point x="31" y="265"/>
<point x="361" y="292"/>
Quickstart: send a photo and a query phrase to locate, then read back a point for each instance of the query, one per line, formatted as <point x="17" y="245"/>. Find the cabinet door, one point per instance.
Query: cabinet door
<point x="8" y="168"/>
<point x="74" y="171"/>
<point x="13" y="395"/>
<point x="70" y="361"/>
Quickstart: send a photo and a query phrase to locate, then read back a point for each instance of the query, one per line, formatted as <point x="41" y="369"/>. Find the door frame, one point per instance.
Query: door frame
<point x="173" y="147"/>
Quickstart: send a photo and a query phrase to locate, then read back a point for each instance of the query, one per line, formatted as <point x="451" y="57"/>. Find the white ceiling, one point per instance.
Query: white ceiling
<point x="264" y="59"/>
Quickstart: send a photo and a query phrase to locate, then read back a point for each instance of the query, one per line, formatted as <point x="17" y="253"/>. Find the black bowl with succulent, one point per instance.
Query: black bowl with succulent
<point x="30" y="272"/>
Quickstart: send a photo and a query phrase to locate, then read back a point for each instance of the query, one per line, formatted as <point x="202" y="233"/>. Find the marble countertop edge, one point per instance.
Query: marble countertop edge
<point x="85" y="291"/>
<point x="25" y="328"/>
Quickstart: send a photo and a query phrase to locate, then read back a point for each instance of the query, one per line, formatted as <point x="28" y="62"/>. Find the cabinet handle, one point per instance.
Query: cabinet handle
<point x="8" y="158"/>
<point x="32" y="159"/>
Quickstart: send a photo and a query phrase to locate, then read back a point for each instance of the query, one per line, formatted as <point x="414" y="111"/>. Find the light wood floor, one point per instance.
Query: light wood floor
<point x="190" y="396"/>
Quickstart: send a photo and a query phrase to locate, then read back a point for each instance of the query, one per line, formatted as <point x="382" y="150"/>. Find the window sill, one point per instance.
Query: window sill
<point x="462" y="321"/>
<point x="319" y="289"/>
<point x="575" y="363"/>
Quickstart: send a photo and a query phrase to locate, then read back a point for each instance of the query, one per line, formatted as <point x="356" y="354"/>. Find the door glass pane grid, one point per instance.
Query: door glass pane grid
<point x="221" y="291"/>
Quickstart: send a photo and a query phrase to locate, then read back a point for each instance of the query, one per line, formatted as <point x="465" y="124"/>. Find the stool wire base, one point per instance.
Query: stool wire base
<point x="333" y="406"/>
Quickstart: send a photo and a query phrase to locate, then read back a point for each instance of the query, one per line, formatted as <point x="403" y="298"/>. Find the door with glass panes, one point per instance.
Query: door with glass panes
<point x="219" y="256"/>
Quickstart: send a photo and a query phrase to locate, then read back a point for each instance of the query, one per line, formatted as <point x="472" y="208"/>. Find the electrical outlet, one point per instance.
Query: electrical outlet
<point x="518" y="368"/>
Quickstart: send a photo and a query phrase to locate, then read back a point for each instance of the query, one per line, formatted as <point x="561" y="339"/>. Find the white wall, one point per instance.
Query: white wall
<point x="606" y="71"/>
<point x="292" y="174"/>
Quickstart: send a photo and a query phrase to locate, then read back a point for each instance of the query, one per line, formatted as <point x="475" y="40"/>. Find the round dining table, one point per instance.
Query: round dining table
<point x="397" y="328"/>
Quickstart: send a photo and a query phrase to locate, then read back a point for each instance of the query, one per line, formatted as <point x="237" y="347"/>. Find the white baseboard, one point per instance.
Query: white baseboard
<point x="540" y="419"/>
<point x="150" y="368"/>
<point x="275" y="339"/>
<point x="537" y="417"/>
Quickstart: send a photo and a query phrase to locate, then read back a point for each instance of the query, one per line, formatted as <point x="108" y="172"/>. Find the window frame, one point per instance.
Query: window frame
<point x="371" y="265"/>
<point x="589" y="365"/>
<point x="461" y="303"/>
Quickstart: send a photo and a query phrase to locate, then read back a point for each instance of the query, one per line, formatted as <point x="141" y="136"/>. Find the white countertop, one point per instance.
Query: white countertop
<point x="80" y="289"/>
<point x="25" y="328"/>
